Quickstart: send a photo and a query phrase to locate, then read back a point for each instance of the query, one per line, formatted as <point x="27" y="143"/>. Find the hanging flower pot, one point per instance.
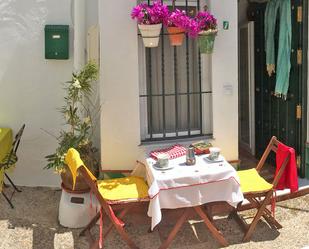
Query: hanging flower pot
<point x="204" y="26"/>
<point x="177" y="24"/>
<point x="206" y="41"/>
<point x="150" y="34"/>
<point x="176" y="35"/>
<point x="149" y="19"/>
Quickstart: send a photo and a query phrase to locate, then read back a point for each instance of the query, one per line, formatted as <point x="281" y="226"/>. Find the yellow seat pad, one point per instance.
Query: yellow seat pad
<point x="131" y="187"/>
<point x="251" y="181"/>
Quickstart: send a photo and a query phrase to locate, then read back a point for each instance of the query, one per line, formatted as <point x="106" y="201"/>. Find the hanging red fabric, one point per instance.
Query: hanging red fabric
<point x="289" y="177"/>
<point x="114" y="217"/>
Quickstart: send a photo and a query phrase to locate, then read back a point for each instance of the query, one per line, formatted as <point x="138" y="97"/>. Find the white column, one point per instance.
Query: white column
<point x="119" y="88"/>
<point x="79" y="33"/>
<point x="225" y="78"/>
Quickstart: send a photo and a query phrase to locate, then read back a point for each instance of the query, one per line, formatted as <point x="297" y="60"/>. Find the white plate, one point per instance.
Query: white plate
<point x="218" y="160"/>
<point x="159" y="168"/>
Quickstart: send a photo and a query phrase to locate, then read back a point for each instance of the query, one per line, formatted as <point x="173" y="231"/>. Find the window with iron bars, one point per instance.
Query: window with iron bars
<point x="175" y="87"/>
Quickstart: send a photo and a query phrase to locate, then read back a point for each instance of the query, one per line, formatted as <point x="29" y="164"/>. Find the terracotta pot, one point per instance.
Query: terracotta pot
<point x="150" y="34"/>
<point x="67" y="182"/>
<point x="176" y="35"/>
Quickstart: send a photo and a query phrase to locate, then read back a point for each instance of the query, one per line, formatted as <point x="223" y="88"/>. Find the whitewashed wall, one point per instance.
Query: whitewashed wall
<point x="120" y="131"/>
<point x="225" y="79"/>
<point x="30" y="86"/>
<point x="92" y="19"/>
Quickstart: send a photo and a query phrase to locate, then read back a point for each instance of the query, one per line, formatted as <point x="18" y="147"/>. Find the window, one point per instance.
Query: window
<point x="175" y="92"/>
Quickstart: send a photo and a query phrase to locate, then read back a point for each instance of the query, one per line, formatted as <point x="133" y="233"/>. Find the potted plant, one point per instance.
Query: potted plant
<point x="207" y="31"/>
<point x="177" y="24"/>
<point x="78" y="128"/>
<point x="150" y="19"/>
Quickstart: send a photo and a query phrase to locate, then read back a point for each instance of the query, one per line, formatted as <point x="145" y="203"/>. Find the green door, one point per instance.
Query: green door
<point x="275" y="116"/>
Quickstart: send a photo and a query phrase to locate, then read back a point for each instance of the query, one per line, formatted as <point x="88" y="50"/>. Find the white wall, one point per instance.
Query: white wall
<point x="225" y="72"/>
<point x="92" y="19"/>
<point x="120" y="131"/>
<point x="92" y="13"/>
<point x="30" y="86"/>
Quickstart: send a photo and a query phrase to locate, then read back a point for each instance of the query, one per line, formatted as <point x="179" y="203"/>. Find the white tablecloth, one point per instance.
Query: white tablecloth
<point x="188" y="186"/>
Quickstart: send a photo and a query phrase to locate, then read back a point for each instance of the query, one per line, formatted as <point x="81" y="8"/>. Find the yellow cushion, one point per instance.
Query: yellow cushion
<point x="6" y="140"/>
<point x="131" y="187"/>
<point x="125" y="188"/>
<point x="251" y="181"/>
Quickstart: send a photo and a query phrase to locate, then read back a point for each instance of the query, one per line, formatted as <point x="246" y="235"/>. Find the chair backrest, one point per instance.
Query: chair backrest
<point x="10" y="157"/>
<point x="273" y="146"/>
<point x="77" y="166"/>
<point x="94" y="189"/>
<point x="17" y="138"/>
<point x="92" y="184"/>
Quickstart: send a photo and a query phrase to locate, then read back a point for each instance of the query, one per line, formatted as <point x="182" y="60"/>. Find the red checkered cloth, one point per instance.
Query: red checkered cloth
<point x="173" y="152"/>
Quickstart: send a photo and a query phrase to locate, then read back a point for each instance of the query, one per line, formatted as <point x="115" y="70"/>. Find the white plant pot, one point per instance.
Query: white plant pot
<point x="77" y="210"/>
<point x="150" y="34"/>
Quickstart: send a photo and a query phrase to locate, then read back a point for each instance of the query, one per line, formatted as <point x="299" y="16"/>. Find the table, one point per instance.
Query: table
<point x="191" y="186"/>
<point x="6" y="139"/>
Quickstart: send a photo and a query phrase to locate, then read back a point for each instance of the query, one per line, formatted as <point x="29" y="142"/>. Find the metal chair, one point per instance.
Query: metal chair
<point x="7" y="162"/>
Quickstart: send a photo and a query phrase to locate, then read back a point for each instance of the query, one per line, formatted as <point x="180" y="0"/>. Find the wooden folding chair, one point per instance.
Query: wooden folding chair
<point x="121" y="194"/>
<point x="10" y="159"/>
<point x="259" y="192"/>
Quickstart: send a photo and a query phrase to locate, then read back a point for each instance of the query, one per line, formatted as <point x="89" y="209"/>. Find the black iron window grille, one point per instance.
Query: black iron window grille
<point x="175" y="93"/>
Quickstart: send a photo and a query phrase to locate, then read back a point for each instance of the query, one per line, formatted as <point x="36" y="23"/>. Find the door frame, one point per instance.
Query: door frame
<point x="304" y="87"/>
<point x="251" y="88"/>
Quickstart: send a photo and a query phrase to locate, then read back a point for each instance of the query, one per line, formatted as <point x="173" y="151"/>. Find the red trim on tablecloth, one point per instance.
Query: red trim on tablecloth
<point x="192" y="185"/>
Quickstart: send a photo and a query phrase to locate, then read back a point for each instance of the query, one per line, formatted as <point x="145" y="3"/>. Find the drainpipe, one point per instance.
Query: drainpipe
<point x="79" y="34"/>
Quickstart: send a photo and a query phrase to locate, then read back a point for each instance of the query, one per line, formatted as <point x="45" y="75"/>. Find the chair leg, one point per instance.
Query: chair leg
<point x="125" y="237"/>
<point x="271" y="220"/>
<point x="217" y="235"/>
<point x="14" y="186"/>
<point x="175" y="229"/>
<point x="257" y="217"/>
<point x="120" y="216"/>
<point x="95" y="245"/>
<point x="91" y="224"/>
<point x="89" y="237"/>
<point x="267" y="215"/>
<point x="8" y="200"/>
